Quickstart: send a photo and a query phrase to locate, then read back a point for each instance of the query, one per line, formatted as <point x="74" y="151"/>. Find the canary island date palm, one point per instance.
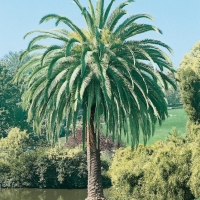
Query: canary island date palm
<point x="103" y="71"/>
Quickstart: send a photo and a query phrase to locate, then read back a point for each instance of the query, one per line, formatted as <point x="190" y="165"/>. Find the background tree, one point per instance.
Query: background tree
<point x="11" y="112"/>
<point x="173" y="95"/>
<point x="11" y="61"/>
<point x="103" y="71"/>
<point x="189" y="75"/>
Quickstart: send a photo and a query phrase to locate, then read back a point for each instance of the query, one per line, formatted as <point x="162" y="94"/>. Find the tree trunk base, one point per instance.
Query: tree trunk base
<point x="95" y="198"/>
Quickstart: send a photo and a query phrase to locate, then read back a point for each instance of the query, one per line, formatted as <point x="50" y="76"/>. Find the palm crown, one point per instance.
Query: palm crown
<point x="101" y="70"/>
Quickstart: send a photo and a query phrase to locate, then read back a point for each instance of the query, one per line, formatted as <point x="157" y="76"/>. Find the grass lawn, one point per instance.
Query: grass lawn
<point x="177" y="119"/>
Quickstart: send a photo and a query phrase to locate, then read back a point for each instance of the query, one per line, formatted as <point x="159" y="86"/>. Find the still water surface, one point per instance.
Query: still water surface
<point x="43" y="194"/>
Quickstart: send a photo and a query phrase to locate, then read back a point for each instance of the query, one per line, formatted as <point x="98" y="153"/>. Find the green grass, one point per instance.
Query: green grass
<point x="177" y="119"/>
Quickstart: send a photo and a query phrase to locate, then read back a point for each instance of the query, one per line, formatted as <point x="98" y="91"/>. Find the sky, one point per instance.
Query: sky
<point x="178" y="19"/>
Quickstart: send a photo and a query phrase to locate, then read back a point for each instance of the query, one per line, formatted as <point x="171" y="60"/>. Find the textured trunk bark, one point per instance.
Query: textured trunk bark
<point x="95" y="189"/>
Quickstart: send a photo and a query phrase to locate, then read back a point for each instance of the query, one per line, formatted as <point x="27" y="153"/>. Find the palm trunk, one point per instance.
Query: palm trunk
<point x="95" y="189"/>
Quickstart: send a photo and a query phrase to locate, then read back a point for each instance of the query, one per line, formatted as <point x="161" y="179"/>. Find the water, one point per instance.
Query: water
<point x="42" y="194"/>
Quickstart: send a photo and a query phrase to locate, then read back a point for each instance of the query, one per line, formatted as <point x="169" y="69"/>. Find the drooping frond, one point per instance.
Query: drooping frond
<point x="70" y="44"/>
<point x="131" y="20"/>
<point x="49" y="17"/>
<point x="65" y="20"/>
<point x="53" y="33"/>
<point x="33" y="48"/>
<point x="137" y="29"/>
<point x="156" y="42"/>
<point x="48" y="50"/>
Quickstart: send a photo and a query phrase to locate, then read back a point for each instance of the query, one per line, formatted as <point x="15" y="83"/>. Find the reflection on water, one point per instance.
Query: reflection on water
<point x="42" y="194"/>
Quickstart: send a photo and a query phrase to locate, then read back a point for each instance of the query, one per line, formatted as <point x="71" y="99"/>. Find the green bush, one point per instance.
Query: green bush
<point x="189" y="75"/>
<point x="22" y="166"/>
<point x="50" y="168"/>
<point x="62" y="167"/>
<point x="23" y="170"/>
<point x="161" y="171"/>
<point x="4" y="172"/>
<point x="12" y="146"/>
<point x="194" y="145"/>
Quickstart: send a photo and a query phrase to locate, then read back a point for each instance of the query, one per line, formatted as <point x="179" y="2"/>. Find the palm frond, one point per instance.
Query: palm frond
<point x="70" y="44"/>
<point x="131" y="20"/>
<point x="48" y="50"/>
<point x="137" y="29"/>
<point x="71" y="25"/>
<point x="90" y="20"/>
<point x="106" y="14"/>
<point x="99" y="13"/>
<point x="91" y="9"/>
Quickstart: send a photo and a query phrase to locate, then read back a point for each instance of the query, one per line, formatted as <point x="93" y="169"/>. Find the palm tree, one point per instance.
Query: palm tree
<point x="102" y="70"/>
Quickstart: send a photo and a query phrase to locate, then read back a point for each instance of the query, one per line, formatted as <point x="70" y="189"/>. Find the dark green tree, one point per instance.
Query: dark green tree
<point x="102" y="70"/>
<point x="11" y="113"/>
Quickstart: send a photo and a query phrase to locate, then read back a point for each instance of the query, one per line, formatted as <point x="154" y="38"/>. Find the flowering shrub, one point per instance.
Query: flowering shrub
<point x="106" y="143"/>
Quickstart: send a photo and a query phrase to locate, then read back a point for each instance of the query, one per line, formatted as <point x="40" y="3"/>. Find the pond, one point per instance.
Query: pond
<point x="43" y="194"/>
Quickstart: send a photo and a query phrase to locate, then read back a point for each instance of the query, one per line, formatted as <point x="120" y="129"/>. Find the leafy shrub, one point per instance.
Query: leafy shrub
<point x="50" y="168"/>
<point x="194" y="145"/>
<point x="161" y="171"/>
<point x="106" y="160"/>
<point x="189" y="75"/>
<point x="62" y="168"/>
<point x="23" y="170"/>
<point x="4" y="172"/>
<point x="12" y="146"/>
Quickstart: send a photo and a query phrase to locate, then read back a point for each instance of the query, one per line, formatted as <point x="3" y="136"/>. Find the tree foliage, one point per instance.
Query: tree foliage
<point x="46" y="167"/>
<point x="165" y="170"/>
<point x="189" y="75"/>
<point x="11" y="112"/>
<point x="100" y="68"/>
<point x="14" y="143"/>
